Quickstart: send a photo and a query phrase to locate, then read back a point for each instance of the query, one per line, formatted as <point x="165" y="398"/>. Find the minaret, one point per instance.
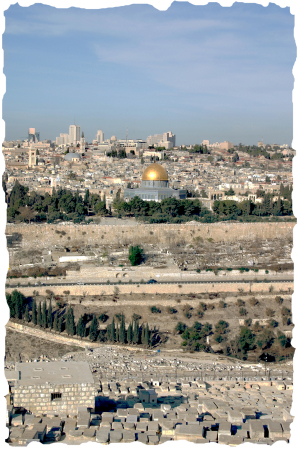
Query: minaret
<point x="82" y="146"/>
<point x="32" y="157"/>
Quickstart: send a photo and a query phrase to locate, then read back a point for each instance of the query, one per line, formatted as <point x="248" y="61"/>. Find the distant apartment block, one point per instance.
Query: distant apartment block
<point x="33" y="136"/>
<point x="100" y="137"/>
<point x="62" y="140"/>
<point x="226" y="145"/>
<point x="167" y="140"/>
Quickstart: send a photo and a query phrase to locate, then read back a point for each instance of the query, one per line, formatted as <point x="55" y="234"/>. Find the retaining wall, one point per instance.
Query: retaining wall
<point x="38" y="236"/>
<point x="195" y="288"/>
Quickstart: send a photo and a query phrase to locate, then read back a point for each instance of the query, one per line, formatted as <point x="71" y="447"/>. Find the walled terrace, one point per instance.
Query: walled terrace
<point x="183" y="246"/>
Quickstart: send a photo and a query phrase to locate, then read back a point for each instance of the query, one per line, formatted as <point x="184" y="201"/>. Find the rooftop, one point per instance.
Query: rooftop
<point x="57" y="372"/>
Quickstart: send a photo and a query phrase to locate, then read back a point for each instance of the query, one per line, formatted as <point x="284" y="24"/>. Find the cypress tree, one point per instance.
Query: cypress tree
<point x="18" y="309"/>
<point x="39" y="317"/>
<point x="113" y="331"/>
<point x="136" y="332"/>
<point x="93" y="329"/>
<point x="44" y="315"/>
<point x="146" y="335"/>
<point x="50" y="316"/>
<point x="143" y="334"/>
<point x="55" y="324"/>
<point x="70" y="324"/>
<point x="129" y="333"/>
<point x="26" y="315"/>
<point x="81" y="327"/>
<point x="60" y="323"/>
<point x="122" y="330"/>
<point x="108" y="333"/>
<point x="86" y="197"/>
<point x="34" y="312"/>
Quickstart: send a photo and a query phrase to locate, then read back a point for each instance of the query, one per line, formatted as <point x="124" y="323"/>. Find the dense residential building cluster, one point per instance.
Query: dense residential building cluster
<point x="113" y="168"/>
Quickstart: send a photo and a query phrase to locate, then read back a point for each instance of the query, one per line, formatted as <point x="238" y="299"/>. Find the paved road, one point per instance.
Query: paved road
<point x="155" y="284"/>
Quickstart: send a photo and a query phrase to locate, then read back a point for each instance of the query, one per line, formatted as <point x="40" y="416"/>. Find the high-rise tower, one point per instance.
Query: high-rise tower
<point x="74" y="134"/>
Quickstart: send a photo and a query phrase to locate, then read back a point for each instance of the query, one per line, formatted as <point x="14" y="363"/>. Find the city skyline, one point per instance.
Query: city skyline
<point x="205" y="72"/>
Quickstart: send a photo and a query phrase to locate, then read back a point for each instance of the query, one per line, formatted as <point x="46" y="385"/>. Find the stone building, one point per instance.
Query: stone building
<point x="154" y="186"/>
<point x="54" y="387"/>
<point x="148" y="396"/>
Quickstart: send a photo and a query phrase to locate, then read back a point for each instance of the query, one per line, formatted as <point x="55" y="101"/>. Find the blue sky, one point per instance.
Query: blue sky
<point x="203" y="72"/>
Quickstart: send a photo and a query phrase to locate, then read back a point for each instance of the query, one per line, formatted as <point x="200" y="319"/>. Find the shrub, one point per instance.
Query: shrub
<point x="248" y="322"/>
<point x="135" y="255"/>
<point x="253" y="301"/>
<point x="272" y="324"/>
<point x="221" y="327"/>
<point x="278" y="300"/>
<point x="198" y="270"/>
<point x="257" y="327"/>
<point x="286" y="320"/>
<point x="103" y="317"/>
<point x="269" y="312"/>
<point x="282" y="339"/>
<point x="222" y="304"/>
<point x="187" y="311"/>
<point x="136" y="317"/>
<point x="285" y="311"/>
<point x="240" y="302"/>
<point x="200" y="314"/>
<point x="171" y="310"/>
<point x="180" y="327"/>
<point x="203" y="306"/>
<point x="155" y="310"/>
<point x="242" y="312"/>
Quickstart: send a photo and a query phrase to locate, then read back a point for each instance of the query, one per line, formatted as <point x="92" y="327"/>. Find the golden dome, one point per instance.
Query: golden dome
<point x="155" y="172"/>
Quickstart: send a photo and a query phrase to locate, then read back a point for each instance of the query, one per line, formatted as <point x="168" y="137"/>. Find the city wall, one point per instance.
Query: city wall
<point x="41" y="236"/>
<point x="191" y="288"/>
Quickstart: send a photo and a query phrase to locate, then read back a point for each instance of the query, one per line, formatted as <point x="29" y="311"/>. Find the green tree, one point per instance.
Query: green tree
<point x="113" y="331"/>
<point x="50" y="316"/>
<point x="135" y="255"/>
<point x="136" y="332"/>
<point x="55" y="324"/>
<point x="122" y="330"/>
<point x="81" y="327"/>
<point x="246" y="339"/>
<point x="93" y="329"/>
<point x="70" y="323"/>
<point x="39" y="315"/>
<point x="146" y="336"/>
<point x="129" y="334"/>
<point x="34" y="312"/>
<point x="26" y="315"/>
<point x="16" y="303"/>
<point x="180" y="327"/>
<point x="44" y="315"/>
<point x="60" y="323"/>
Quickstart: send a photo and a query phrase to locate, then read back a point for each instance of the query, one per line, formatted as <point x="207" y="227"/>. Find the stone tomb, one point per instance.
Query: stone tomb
<point x="54" y="387"/>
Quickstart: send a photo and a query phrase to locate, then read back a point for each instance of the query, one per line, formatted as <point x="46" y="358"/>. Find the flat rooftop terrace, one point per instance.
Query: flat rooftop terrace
<point x="56" y="372"/>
